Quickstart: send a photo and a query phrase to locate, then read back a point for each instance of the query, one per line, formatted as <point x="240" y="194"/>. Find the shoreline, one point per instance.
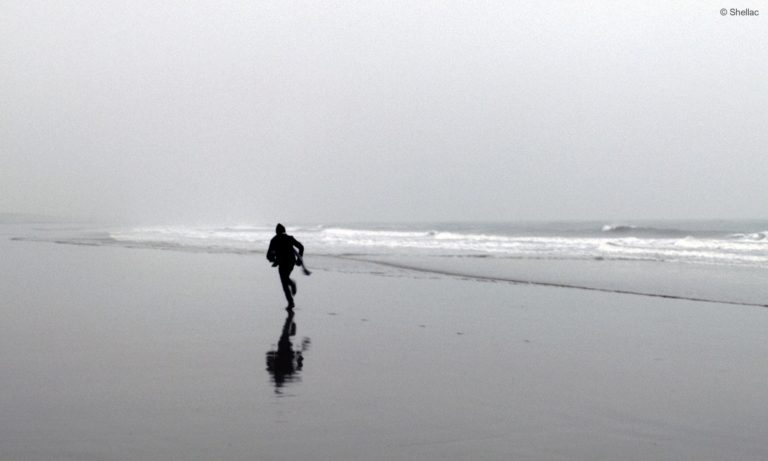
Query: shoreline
<point x="422" y="265"/>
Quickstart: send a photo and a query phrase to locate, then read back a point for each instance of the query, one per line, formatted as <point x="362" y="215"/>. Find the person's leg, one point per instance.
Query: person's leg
<point x="289" y="286"/>
<point x="291" y="281"/>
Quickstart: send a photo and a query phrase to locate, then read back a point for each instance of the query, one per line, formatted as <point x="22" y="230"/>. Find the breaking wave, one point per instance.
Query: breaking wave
<point x="611" y="242"/>
<point x="644" y="231"/>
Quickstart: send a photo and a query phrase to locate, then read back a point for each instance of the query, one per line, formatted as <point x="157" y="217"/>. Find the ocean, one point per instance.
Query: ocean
<point x="720" y="243"/>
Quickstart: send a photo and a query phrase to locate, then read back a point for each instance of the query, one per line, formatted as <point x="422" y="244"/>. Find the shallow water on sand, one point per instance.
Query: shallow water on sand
<point x="118" y="354"/>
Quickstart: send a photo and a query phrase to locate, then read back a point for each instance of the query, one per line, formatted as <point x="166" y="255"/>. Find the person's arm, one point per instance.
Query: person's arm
<point x="271" y="251"/>
<point x="298" y="245"/>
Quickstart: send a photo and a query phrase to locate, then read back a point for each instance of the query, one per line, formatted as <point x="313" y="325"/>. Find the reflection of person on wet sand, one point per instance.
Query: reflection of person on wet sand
<point x="284" y="363"/>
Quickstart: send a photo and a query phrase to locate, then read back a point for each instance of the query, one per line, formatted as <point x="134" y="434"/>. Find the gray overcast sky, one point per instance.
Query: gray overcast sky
<point x="249" y="111"/>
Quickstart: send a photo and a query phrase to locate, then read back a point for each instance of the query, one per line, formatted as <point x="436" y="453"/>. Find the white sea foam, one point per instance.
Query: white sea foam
<point x="753" y="236"/>
<point x="654" y="243"/>
<point x="747" y="249"/>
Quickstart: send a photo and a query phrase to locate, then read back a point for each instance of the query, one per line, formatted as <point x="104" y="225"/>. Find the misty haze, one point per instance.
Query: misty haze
<point x="503" y="230"/>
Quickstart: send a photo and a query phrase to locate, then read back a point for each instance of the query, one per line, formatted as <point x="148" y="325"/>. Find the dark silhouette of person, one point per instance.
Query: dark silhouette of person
<point x="284" y="363"/>
<point x="281" y="253"/>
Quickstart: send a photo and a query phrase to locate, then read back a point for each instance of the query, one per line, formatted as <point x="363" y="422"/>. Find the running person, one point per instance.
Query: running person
<point x="281" y="254"/>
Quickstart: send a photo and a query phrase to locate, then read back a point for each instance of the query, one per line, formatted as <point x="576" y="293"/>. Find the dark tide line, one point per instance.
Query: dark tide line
<point x="555" y="285"/>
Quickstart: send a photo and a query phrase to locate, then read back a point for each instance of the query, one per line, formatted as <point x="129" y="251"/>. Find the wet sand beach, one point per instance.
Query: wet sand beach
<point x="126" y="354"/>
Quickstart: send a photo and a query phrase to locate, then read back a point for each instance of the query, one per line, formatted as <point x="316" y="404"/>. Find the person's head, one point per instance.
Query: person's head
<point x="279" y="229"/>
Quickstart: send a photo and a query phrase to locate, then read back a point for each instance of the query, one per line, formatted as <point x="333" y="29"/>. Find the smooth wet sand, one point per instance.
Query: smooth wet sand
<point x="120" y="354"/>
